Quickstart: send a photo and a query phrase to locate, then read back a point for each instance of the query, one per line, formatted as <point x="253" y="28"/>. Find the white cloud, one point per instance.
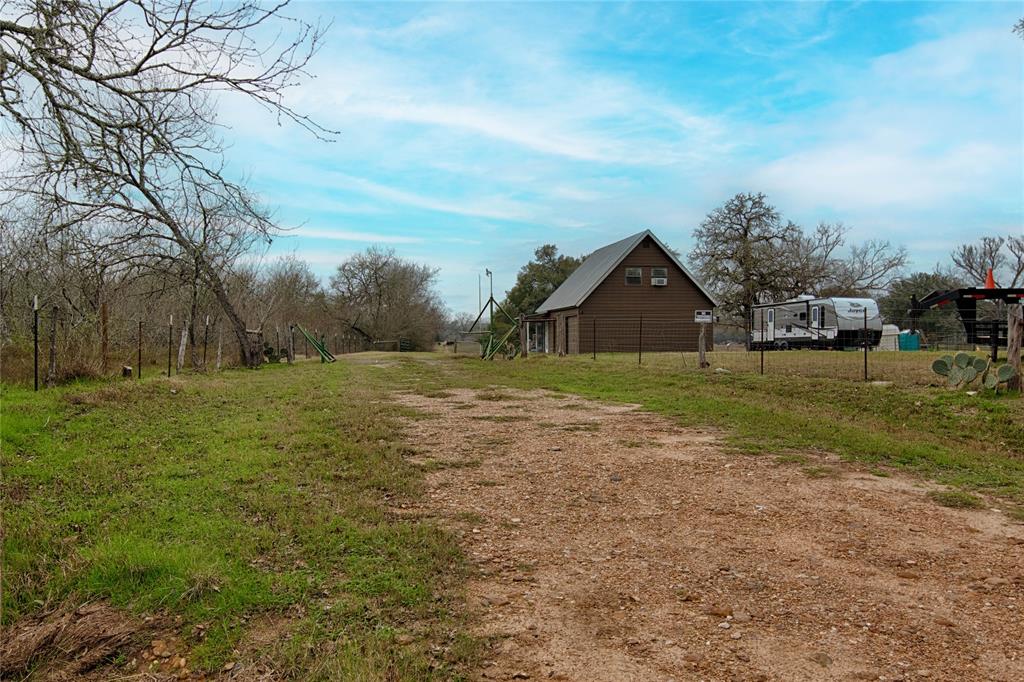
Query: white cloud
<point x="903" y="138"/>
<point x="335" y="234"/>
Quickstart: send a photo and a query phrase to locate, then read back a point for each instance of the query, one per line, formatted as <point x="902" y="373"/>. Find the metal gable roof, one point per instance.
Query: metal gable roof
<point x="598" y="265"/>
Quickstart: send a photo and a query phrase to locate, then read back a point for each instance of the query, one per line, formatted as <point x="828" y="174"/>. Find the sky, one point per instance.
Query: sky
<point x="469" y="134"/>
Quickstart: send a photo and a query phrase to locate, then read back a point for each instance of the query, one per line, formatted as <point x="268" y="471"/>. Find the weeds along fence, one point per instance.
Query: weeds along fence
<point x="58" y="348"/>
<point x="657" y="344"/>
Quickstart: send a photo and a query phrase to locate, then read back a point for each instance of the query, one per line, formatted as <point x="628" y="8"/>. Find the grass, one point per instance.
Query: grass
<point x="973" y="442"/>
<point x="819" y="471"/>
<point x="262" y="496"/>
<point x="901" y="368"/>
<point x="228" y="499"/>
<point x="957" y="499"/>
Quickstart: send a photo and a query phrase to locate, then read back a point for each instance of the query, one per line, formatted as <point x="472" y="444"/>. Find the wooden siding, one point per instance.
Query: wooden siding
<point x="613" y="309"/>
<point x="566" y="321"/>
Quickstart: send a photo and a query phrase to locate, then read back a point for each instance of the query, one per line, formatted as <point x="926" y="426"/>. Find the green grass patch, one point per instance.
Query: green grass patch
<point x="957" y="499"/>
<point x="819" y="471"/>
<point x="231" y="498"/>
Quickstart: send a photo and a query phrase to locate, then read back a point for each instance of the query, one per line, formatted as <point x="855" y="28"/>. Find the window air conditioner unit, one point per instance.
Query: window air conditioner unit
<point x="659" y="281"/>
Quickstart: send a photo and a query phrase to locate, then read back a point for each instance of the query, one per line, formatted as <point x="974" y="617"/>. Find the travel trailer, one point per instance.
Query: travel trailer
<point x="809" y="322"/>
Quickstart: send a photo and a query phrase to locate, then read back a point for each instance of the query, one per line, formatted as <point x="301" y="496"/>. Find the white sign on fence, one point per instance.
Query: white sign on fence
<point x="702" y="316"/>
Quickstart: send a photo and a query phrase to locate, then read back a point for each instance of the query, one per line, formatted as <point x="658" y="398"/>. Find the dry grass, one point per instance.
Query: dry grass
<point x="901" y="368"/>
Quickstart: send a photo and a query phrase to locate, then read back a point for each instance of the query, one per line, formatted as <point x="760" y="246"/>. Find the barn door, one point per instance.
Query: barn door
<point x="573" y="334"/>
<point x="770" y="325"/>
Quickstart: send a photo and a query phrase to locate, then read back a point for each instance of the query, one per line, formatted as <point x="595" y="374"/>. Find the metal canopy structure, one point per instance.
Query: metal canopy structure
<point x="991" y="333"/>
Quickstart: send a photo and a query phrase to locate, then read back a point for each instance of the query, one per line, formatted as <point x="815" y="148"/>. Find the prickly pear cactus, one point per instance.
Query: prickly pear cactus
<point x="943" y="365"/>
<point x="963" y="369"/>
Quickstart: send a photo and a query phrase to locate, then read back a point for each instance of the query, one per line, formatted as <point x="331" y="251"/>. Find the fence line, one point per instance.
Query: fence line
<point x="671" y="345"/>
<point x="59" y="350"/>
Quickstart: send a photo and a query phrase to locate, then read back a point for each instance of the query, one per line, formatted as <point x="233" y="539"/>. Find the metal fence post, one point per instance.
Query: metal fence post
<point x="593" y="340"/>
<point x="865" y="344"/>
<point x="35" y="341"/>
<point x="640" y="342"/>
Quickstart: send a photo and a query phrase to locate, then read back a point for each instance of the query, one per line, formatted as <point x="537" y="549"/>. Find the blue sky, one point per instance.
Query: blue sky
<point x="469" y="134"/>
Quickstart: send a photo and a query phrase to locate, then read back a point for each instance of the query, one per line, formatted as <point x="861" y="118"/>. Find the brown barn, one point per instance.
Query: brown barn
<point x="625" y="294"/>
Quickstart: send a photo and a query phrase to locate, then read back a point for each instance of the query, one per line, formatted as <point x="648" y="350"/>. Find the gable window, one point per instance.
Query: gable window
<point x="634" y="276"/>
<point x="659" y="277"/>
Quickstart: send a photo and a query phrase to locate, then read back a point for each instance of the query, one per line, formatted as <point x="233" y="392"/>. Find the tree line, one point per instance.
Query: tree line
<point x="115" y="202"/>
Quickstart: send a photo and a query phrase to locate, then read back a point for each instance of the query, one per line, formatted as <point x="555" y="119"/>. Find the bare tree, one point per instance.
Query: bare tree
<point x="738" y="251"/>
<point x="748" y="254"/>
<point x="810" y="259"/>
<point x="109" y="105"/>
<point x="388" y="297"/>
<point x="870" y="267"/>
<point x="1004" y="255"/>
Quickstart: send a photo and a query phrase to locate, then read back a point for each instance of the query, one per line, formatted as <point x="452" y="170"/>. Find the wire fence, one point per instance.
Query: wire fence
<point x="59" y="350"/>
<point x="672" y="345"/>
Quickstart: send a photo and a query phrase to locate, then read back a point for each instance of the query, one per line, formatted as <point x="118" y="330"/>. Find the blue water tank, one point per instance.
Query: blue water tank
<point x="910" y="341"/>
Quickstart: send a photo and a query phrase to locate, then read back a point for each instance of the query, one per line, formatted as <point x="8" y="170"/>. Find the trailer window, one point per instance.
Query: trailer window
<point x="803" y="315"/>
<point x="771" y="315"/>
<point x="634" y="276"/>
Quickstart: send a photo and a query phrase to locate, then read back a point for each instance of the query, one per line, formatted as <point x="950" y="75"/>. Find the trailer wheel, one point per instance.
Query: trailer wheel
<point x="783" y="345"/>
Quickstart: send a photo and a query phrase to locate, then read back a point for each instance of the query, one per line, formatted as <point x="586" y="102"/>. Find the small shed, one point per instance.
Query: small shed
<point x="630" y="294"/>
<point x="890" y="337"/>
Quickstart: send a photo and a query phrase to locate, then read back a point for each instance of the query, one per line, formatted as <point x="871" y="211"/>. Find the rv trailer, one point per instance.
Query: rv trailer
<point x="809" y="322"/>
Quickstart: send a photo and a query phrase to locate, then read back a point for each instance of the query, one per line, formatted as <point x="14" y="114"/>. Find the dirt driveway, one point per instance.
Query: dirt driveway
<point x="610" y="544"/>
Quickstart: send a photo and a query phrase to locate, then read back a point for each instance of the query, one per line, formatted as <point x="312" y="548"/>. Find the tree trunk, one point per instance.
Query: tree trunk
<point x="209" y="275"/>
<point x="220" y="344"/>
<point x="181" y="346"/>
<point x="1014" y="334"/>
